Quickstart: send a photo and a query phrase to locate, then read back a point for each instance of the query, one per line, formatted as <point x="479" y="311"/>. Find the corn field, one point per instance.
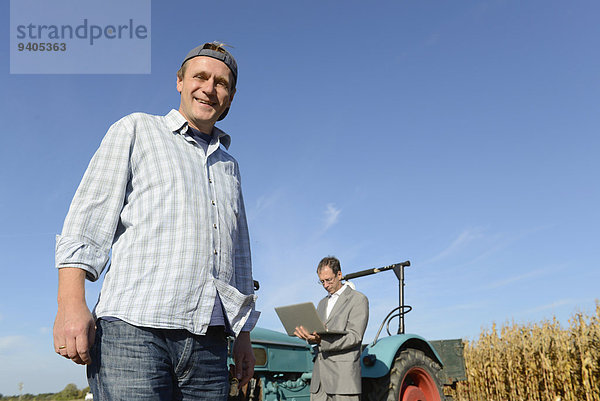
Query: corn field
<point x="535" y="362"/>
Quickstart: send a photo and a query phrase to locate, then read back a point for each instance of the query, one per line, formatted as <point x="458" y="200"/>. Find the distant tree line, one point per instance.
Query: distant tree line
<point x="70" y="392"/>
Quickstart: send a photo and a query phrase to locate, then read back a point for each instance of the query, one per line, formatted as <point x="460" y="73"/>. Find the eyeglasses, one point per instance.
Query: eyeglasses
<point x="327" y="280"/>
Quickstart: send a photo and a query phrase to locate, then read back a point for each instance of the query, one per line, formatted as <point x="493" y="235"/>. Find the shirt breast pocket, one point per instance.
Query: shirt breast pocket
<point x="228" y="190"/>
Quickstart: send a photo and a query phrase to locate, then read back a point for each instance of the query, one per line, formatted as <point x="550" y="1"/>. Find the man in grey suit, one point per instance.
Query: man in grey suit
<point x="336" y="374"/>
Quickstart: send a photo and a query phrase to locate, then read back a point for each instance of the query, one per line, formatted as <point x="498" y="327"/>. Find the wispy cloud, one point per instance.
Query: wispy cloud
<point x="467" y="236"/>
<point x="264" y="203"/>
<point x="483" y="244"/>
<point x="470" y="306"/>
<point x="9" y="343"/>
<point x="555" y="304"/>
<point x="332" y="215"/>
<point x="503" y="241"/>
<point x="514" y="279"/>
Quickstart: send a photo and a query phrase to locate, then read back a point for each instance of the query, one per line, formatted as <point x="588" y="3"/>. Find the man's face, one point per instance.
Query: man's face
<point x="205" y="92"/>
<point x="331" y="282"/>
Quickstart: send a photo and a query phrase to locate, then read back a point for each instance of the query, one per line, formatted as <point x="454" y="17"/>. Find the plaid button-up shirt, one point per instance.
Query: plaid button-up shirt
<point x="174" y="218"/>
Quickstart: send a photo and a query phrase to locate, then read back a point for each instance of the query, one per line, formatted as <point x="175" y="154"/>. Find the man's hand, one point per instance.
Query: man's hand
<point x="302" y="333"/>
<point x="74" y="327"/>
<point x="243" y="357"/>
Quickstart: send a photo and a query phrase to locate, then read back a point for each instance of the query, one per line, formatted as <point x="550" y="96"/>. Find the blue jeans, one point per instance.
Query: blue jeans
<point x="131" y="363"/>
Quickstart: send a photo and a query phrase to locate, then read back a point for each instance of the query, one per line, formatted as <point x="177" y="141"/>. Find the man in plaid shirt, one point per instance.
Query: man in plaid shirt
<point x="163" y="195"/>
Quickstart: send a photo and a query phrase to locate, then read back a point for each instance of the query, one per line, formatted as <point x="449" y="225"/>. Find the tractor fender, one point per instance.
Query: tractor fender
<point x="377" y="359"/>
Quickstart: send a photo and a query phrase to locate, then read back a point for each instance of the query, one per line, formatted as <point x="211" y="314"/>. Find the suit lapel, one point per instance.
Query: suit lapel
<point x="344" y="297"/>
<point x="322" y="309"/>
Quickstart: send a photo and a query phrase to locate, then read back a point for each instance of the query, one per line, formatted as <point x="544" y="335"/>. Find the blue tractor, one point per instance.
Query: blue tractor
<point x="398" y="367"/>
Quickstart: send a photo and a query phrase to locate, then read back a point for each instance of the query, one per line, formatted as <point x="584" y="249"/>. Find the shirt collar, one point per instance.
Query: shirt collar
<point x="176" y="122"/>
<point x="339" y="292"/>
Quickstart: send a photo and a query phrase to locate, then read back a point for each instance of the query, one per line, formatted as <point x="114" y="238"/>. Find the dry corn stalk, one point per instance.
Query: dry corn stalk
<point x="534" y="362"/>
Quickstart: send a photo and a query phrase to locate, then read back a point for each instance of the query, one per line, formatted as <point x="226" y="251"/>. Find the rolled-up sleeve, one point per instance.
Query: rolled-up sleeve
<point x="93" y="216"/>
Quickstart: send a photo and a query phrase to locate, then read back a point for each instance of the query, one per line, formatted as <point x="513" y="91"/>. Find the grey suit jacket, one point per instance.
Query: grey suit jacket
<point x="337" y="366"/>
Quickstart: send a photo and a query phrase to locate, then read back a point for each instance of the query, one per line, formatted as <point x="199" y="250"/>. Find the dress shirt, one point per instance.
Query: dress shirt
<point x="332" y="299"/>
<point x="174" y="218"/>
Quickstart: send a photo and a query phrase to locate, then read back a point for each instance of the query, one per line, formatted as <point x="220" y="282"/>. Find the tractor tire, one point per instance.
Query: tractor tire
<point x="414" y="377"/>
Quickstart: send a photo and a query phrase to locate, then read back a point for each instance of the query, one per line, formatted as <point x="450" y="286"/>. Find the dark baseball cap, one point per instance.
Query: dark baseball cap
<point x="216" y="51"/>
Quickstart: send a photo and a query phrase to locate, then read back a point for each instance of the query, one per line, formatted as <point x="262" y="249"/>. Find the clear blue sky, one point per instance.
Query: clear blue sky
<point x="462" y="135"/>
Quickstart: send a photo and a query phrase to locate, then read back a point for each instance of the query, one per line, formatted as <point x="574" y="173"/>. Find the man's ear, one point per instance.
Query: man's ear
<point x="179" y="84"/>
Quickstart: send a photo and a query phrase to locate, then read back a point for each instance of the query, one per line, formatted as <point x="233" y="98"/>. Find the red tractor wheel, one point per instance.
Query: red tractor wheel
<point x="414" y="377"/>
<point x="418" y="385"/>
